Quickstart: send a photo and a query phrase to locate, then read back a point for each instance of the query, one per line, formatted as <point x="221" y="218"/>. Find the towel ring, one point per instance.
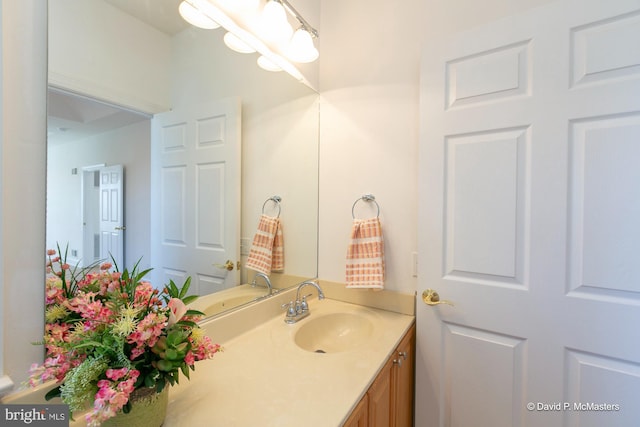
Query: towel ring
<point x="365" y="198"/>
<point x="276" y="200"/>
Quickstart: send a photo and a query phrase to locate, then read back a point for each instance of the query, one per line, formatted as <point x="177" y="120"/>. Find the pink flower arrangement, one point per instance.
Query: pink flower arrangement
<point x="108" y="333"/>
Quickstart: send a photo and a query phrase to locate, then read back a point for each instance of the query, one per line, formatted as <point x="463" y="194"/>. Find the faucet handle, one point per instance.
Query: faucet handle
<point x="304" y="306"/>
<point x="291" y="308"/>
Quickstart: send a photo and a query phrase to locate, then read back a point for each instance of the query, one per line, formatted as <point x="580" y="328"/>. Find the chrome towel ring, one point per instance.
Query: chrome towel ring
<point x="276" y="200"/>
<point x="365" y="198"/>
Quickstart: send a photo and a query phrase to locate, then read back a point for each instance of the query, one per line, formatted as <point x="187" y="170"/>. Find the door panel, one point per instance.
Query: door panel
<point x="603" y="155"/>
<point x="112" y="214"/>
<point x="196" y="159"/>
<point x="529" y="214"/>
<point x="485" y="184"/>
<point x="498" y="361"/>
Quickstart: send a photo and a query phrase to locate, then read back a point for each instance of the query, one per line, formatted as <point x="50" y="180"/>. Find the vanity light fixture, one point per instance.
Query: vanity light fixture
<point x="274" y="25"/>
<point x="266" y="31"/>
<point x="194" y="16"/>
<point x="233" y="42"/>
<point x="301" y="48"/>
<point x="266" y="64"/>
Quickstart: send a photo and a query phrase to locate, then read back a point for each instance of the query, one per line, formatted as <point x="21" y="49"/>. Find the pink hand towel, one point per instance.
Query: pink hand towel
<point x="277" y="255"/>
<point x="267" y="250"/>
<point x="365" y="255"/>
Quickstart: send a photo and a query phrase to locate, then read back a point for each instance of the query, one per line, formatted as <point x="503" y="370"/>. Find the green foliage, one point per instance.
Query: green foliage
<point x="79" y="385"/>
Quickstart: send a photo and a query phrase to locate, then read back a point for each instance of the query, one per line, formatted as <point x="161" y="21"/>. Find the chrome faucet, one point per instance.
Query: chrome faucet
<point x="299" y="309"/>
<point x="266" y="280"/>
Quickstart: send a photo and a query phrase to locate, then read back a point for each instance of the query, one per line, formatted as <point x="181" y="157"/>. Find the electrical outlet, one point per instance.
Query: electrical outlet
<point x="245" y="245"/>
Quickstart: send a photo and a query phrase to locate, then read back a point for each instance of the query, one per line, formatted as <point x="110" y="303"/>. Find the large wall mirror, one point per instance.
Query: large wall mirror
<point x="127" y="79"/>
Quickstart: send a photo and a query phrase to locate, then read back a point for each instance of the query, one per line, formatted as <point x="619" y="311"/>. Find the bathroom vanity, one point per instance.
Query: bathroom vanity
<point x="345" y="364"/>
<point x="389" y="400"/>
<point x="342" y="361"/>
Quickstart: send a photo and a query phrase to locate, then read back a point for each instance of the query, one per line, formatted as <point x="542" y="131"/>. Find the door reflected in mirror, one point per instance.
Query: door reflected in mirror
<point x="129" y="76"/>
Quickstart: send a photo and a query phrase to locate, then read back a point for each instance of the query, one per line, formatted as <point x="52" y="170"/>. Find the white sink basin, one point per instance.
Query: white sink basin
<point x="333" y="332"/>
<point x="221" y="301"/>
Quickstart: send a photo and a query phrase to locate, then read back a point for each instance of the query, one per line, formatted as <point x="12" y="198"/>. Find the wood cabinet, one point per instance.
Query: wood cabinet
<point x="381" y="397"/>
<point x="403" y="380"/>
<point x="389" y="400"/>
<point x="360" y="415"/>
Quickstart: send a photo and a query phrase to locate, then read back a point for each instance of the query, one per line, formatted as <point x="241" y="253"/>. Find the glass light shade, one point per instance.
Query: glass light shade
<point x="240" y="5"/>
<point x="195" y="17"/>
<point x="234" y="42"/>
<point x="301" y="48"/>
<point x="274" y="25"/>
<point x="267" y="64"/>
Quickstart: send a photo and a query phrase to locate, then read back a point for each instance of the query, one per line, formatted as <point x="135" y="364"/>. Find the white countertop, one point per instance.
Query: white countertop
<point x="262" y="378"/>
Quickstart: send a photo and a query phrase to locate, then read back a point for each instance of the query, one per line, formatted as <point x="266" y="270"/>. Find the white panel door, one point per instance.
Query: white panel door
<point x="529" y="221"/>
<point x="111" y="214"/>
<point x="195" y="224"/>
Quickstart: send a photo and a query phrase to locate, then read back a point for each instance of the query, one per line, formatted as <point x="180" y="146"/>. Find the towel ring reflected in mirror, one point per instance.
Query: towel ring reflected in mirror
<point x="365" y="198"/>
<point x="276" y="200"/>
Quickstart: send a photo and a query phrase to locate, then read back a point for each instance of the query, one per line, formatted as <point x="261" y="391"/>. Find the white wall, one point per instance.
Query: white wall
<point x="89" y="53"/>
<point x="369" y="80"/>
<point x="128" y="146"/>
<point x="369" y="63"/>
<point x="23" y="151"/>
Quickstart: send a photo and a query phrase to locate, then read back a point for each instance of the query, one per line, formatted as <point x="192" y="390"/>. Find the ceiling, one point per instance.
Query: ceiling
<point x="160" y="14"/>
<point x="71" y="117"/>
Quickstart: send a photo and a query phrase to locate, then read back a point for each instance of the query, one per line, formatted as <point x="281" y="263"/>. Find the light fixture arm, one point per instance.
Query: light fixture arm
<point x="292" y="11"/>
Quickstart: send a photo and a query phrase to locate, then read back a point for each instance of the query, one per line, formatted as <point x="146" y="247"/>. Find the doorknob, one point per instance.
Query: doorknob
<point x="121" y="228"/>
<point x="431" y="297"/>
<point x="228" y="265"/>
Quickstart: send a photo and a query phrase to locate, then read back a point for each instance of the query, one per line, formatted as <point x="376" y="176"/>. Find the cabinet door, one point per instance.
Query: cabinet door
<point x="380" y="398"/>
<point x="403" y="381"/>
<point x="360" y="415"/>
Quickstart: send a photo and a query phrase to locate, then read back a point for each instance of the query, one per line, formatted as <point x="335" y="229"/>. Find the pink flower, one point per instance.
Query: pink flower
<point x="146" y="333"/>
<point x="89" y="308"/>
<point x="103" y="385"/>
<point x="116" y="374"/>
<point x="105" y="266"/>
<point x="205" y="349"/>
<point x="53" y="294"/>
<point x="55" y="367"/>
<point x="51" y="252"/>
<point x="57" y="332"/>
<point x="177" y="310"/>
<point x="189" y="358"/>
<point x="112" y="395"/>
<point x="143" y="294"/>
